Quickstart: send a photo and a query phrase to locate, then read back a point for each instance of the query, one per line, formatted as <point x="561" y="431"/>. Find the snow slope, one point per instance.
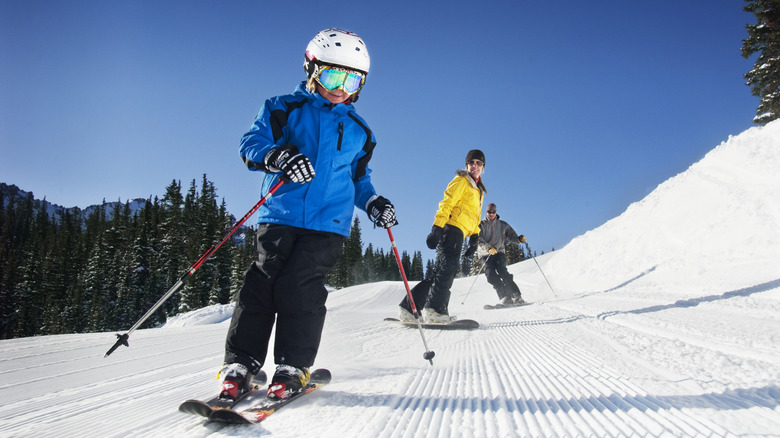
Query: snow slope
<point x="665" y="321"/>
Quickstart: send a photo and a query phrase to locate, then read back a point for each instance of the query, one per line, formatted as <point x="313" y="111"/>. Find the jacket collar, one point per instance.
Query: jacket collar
<point x="467" y="175"/>
<point x="476" y="184"/>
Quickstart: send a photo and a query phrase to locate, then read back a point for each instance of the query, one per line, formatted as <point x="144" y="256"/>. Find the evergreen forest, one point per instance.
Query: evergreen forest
<point x="67" y="270"/>
<point x="100" y="269"/>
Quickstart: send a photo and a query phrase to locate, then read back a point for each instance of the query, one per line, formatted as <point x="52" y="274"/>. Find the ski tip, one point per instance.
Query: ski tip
<point x="228" y="416"/>
<point x="195" y="407"/>
<point x="320" y="375"/>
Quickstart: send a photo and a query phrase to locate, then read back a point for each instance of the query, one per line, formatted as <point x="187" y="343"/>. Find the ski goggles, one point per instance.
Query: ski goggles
<point x="331" y="78"/>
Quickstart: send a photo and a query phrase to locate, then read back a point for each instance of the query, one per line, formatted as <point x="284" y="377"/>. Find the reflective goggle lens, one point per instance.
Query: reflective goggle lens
<point x="330" y="78"/>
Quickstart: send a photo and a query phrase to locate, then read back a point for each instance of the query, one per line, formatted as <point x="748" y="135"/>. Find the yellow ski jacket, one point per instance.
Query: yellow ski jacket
<point x="462" y="204"/>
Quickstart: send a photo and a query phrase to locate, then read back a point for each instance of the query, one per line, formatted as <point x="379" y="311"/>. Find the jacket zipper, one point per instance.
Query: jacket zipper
<point x="341" y="135"/>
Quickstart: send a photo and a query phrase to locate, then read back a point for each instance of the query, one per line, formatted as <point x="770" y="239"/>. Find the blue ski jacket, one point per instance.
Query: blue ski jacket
<point x="339" y="144"/>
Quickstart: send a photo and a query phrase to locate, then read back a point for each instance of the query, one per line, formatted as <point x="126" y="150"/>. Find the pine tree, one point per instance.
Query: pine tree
<point x="390" y="267"/>
<point x="189" y="294"/>
<point x="477" y="264"/>
<point x="14" y="235"/>
<point x="380" y="261"/>
<point x="76" y="312"/>
<point x="514" y="253"/>
<point x="337" y="277"/>
<point x="380" y="265"/>
<point x="93" y="278"/>
<point x="34" y="284"/>
<point x="143" y="283"/>
<point x="63" y="265"/>
<point x="5" y="259"/>
<point x="429" y="269"/>
<point x="764" y="39"/>
<point x="223" y="260"/>
<point x="349" y="268"/>
<point x="154" y="287"/>
<point x="116" y="270"/>
<point x="370" y="264"/>
<point x="406" y="262"/>
<point x="172" y="240"/>
<point x="202" y="225"/>
<point x="527" y="253"/>
<point x="353" y="255"/>
<point x="243" y="256"/>
<point x="417" y="267"/>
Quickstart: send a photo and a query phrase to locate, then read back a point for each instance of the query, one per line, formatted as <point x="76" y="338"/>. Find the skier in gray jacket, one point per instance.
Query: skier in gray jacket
<point x="492" y="237"/>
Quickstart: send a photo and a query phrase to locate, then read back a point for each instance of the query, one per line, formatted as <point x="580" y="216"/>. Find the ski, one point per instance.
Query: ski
<point x="265" y="408"/>
<point x="458" y="324"/>
<point x="503" y="306"/>
<point x="204" y="408"/>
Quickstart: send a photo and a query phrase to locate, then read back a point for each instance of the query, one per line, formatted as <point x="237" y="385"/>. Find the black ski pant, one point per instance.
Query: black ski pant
<point x="498" y="276"/>
<point x="419" y="294"/>
<point x="286" y="285"/>
<point x="445" y="269"/>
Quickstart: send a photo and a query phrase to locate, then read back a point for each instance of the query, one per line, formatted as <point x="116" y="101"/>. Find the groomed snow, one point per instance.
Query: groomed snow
<point x="665" y="321"/>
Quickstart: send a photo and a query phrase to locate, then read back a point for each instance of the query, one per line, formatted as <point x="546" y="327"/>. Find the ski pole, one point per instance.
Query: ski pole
<point x="428" y="355"/>
<point x="540" y="269"/>
<point x="122" y="339"/>
<point x="475" y="279"/>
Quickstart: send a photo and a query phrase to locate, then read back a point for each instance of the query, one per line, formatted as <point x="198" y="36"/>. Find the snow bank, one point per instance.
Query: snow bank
<point x="722" y="212"/>
<point x="208" y="315"/>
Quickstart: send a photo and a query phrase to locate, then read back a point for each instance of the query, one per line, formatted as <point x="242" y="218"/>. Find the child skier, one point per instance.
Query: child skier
<point x="315" y="139"/>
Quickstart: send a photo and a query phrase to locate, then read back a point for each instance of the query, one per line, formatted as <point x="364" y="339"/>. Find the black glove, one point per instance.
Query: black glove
<point x="433" y="239"/>
<point x="381" y="212"/>
<point x="288" y="160"/>
<point x="472" y="246"/>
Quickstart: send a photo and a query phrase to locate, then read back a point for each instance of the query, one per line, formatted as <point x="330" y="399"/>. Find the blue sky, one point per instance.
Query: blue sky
<point x="581" y="107"/>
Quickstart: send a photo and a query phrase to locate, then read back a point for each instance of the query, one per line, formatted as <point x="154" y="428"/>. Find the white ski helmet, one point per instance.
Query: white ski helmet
<point x="338" y="47"/>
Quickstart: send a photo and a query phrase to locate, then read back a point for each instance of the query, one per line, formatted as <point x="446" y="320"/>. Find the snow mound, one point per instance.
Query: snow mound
<point x="215" y="314"/>
<point x="721" y="212"/>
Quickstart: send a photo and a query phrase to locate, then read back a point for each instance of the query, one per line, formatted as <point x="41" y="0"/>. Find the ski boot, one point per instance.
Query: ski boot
<point x="236" y="381"/>
<point x="431" y="316"/>
<point x="405" y="315"/>
<point x="287" y="380"/>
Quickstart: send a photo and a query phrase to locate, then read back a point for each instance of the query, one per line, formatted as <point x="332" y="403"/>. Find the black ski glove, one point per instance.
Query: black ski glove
<point x="433" y="239"/>
<point x="288" y="160"/>
<point x="381" y="212"/>
<point x="472" y="246"/>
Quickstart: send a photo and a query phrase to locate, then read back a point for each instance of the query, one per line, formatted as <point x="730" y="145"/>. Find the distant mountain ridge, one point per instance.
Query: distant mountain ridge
<point x="12" y="192"/>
